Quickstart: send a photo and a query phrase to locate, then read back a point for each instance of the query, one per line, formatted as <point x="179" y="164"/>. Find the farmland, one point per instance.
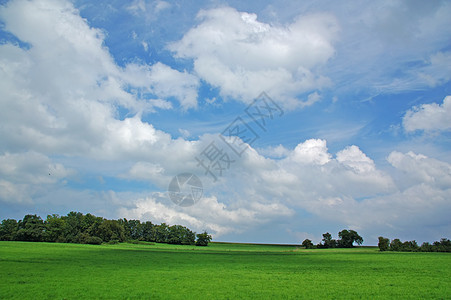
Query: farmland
<point x="221" y="270"/>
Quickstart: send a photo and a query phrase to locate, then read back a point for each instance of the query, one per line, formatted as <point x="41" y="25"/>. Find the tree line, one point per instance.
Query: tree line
<point x="89" y="229"/>
<point x="347" y="238"/>
<point x="384" y="244"/>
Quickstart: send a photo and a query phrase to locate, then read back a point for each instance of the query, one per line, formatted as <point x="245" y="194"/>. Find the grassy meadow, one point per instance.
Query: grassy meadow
<point x="219" y="271"/>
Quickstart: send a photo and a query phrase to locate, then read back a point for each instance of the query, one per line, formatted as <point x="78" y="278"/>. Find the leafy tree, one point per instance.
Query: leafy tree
<point x="73" y="226"/>
<point x="161" y="233"/>
<point x="328" y="241"/>
<point x="409" y="246"/>
<point x="88" y="222"/>
<point x="189" y="237"/>
<point x="426" y="247"/>
<point x="111" y="230"/>
<point x="30" y="229"/>
<point x="443" y="246"/>
<point x="94" y="225"/>
<point x="179" y="234"/>
<point x="307" y="244"/>
<point x="134" y="230"/>
<point x="203" y="239"/>
<point x="148" y="231"/>
<point x="348" y="238"/>
<point x="175" y="234"/>
<point x="396" y="245"/>
<point x="327" y="237"/>
<point x="8" y="230"/>
<point x="54" y="227"/>
<point x="383" y="244"/>
<point x="89" y="229"/>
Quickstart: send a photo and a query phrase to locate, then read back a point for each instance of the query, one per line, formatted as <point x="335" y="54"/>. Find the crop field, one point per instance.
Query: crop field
<point x="219" y="271"/>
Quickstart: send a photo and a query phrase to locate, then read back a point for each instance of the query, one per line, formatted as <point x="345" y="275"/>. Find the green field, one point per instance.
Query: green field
<point x="224" y="271"/>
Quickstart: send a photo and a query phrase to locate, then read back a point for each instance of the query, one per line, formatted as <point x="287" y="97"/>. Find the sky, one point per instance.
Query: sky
<point x="296" y="117"/>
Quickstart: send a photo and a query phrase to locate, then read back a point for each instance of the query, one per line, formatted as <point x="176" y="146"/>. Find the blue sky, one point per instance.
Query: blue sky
<point x="102" y="104"/>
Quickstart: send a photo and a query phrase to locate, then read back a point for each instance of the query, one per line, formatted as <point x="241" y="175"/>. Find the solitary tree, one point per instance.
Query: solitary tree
<point x="307" y="244"/>
<point x="348" y="237"/>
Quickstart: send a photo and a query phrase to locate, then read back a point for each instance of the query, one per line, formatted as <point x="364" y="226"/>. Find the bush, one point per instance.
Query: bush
<point x="113" y="242"/>
<point x="94" y="240"/>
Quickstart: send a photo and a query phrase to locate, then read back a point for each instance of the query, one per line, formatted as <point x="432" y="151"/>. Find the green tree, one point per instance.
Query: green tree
<point x="73" y="226"/>
<point x="30" y="229"/>
<point x="161" y="233"/>
<point x="54" y="228"/>
<point x="348" y="238"/>
<point x="175" y="234"/>
<point x="396" y="245"/>
<point x="383" y="244"/>
<point x="8" y="230"/>
<point x="445" y="245"/>
<point x="189" y="237"/>
<point x="426" y="247"/>
<point x="133" y="229"/>
<point x="409" y="246"/>
<point x="328" y="241"/>
<point x="148" y="231"/>
<point x="111" y="230"/>
<point x="307" y="244"/>
<point x="203" y="239"/>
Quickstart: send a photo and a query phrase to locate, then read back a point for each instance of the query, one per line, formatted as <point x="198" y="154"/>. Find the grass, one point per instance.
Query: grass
<point x="219" y="271"/>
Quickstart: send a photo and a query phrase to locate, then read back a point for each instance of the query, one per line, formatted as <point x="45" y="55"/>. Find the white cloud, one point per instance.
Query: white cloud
<point x="243" y="57"/>
<point x="354" y="158"/>
<point x="61" y="94"/>
<point x="208" y="214"/>
<point x="164" y="82"/>
<point x="311" y="151"/>
<point x="60" y="97"/>
<point x="429" y="117"/>
<point x="24" y="175"/>
<point x="422" y="169"/>
<point x="276" y="152"/>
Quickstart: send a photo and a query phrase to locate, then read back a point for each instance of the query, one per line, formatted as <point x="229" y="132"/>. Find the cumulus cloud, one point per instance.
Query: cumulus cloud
<point x="60" y="95"/>
<point x="24" y="175"/>
<point x="67" y="62"/>
<point x="164" y="82"/>
<point x="346" y="188"/>
<point x="208" y="214"/>
<point x="242" y="56"/>
<point x="422" y="169"/>
<point x="311" y="151"/>
<point x="354" y="158"/>
<point x="429" y="117"/>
